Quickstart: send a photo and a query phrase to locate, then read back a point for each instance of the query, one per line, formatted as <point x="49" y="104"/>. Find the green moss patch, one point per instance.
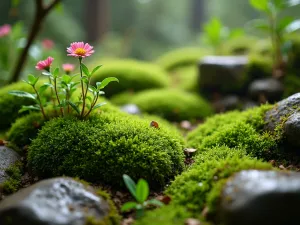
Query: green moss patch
<point x="10" y="105"/>
<point x="103" y="148"/>
<point x="181" y="57"/>
<point x="173" y="105"/>
<point x="133" y="76"/>
<point x="13" y="183"/>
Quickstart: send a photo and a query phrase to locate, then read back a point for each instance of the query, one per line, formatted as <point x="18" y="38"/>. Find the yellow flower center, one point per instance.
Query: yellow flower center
<point x="80" y="51"/>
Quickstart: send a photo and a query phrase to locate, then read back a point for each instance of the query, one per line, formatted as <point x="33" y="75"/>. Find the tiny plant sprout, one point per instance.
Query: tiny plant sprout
<point x="140" y="192"/>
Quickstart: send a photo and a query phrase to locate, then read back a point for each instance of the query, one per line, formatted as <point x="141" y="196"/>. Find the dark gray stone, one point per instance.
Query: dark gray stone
<point x="223" y="74"/>
<point x="260" y="198"/>
<point x="292" y="130"/>
<point x="227" y="103"/>
<point x="58" y="201"/>
<point x="281" y="111"/>
<point x="269" y="88"/>
<point x="7" y="158"/>
<point x="131" y="109"/>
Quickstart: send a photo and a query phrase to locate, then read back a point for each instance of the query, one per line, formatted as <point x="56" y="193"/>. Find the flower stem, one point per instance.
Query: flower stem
<point x="92" y="106"/>
<point x="55" y="89"/>
<point x="40" y="103"/>
<point x="82" y="89"/>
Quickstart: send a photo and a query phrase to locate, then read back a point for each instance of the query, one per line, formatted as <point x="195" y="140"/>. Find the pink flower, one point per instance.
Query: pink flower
<point x="47" y="44"/>
<point x="80" y="49"/>
<point x="5" y="30"/>
<point x="45" y="64"/>
<point x="68" y="67"/>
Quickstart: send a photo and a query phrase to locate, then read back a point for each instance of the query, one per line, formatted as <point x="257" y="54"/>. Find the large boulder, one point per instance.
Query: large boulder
<point x="7" y="158"/>
<point x="222" y="74"/>
<point x="281" y="111"/>
<point x="268" y="89"/>
<point x="260" y="198"/>
<point x="58" y="201"/>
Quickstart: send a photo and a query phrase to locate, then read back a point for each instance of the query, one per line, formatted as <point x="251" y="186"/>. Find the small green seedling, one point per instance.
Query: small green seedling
<point x="215" y="33"/>
<point x="140" y="192"/>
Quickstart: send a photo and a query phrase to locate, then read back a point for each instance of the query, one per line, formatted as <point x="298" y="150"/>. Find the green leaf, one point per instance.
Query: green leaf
<point x="106" y="81"/>
<point x="47" y="73"/>
<point x="213" y="30"/>
<point x="74" y="106"/>
<point x="99" y="105"/>
<point x="85" y="70"/>
<point x="95" y="69"/>
<point x="128" y="206"/>
<point x="44" y="88"/>
<point x="293" y="26"/>
<point x="261" y="5"/>
<point x="29" y="107"/>
<point x="258" y="24"/>
<point x="56" y="72"/>
<point x="92" y="89"/>
<point x="32" y="79"/>
<point x="284" y="23"/>
<point x="142" y="191"/>
<point x="59" y="8"/>
<point x="22" y="94"/>
<point x="85" y="79"/>
<point x="155" y="202"/>
<point x="66" y="78"/>
<point x="89" y="98"/>
<point x="130" y="184"/>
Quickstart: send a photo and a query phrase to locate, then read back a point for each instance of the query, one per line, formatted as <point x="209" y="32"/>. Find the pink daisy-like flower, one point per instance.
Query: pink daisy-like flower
<point x="47" y="44"/>
<point x="80" y="49"/>
<point x="68" y="67"/>
<point x="5" y="30"/>
<point x="45" y="64"/>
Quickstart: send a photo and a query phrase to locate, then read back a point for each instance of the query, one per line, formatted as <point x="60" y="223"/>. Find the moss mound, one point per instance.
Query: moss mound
<point x="185" y="78"/>
<point x="104" y="147"/>
<point x="193" y="188"/>
<point x="239" y="46"/>
<point x="133" y="76"/>
<point x="10" y="105"/>
<point x="173" y="105"/>
<point x="181" y="57"/>
<point x="167" y="215"/>
<point x="236" y="130"/>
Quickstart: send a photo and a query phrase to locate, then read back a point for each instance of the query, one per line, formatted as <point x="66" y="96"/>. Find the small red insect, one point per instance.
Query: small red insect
<point x="154" y="124"/>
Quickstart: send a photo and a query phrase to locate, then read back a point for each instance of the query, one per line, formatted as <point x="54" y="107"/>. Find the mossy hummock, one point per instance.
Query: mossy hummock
<point x="10" y="104"/>
<point x="173" y="105"/>
<point x="133" y="76"/>
<point x="104" y="147"/>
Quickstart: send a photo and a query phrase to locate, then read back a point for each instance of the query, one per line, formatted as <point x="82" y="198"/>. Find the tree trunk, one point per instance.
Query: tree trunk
<point x="198" y="14"/>
<point x="97" y="19"/>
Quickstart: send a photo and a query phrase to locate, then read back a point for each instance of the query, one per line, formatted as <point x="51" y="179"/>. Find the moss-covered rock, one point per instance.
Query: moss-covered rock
<point x="193" y="188"/>
<point x="181" y="57"/>
<point x="171" y="104"/>
<point x="133" y="76"/>
<point x="10" y="105"/>
<point x="13" y="183"/>
<point x="104" y="147"/>
<point x="236" y="130"/>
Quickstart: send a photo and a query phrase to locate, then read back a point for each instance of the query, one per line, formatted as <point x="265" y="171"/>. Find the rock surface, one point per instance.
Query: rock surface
<point x="292" y="129"/>
<point x="131" y="109"/>
<point x="224" y="74"/>
<point x="58" y="201"/>
<point x="269" y="88"/>
<point x="7" y="158"/>
<point x="281" y="111"/>
<point x="260" y="198"/>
